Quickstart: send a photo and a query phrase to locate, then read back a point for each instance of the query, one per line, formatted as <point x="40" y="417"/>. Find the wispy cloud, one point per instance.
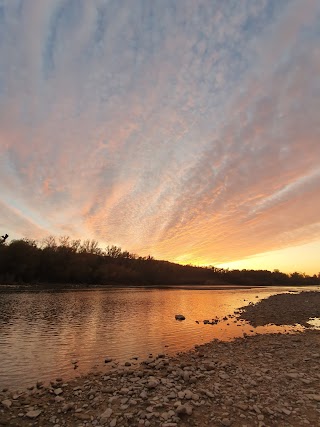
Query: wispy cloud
<point x="188" y="130"/>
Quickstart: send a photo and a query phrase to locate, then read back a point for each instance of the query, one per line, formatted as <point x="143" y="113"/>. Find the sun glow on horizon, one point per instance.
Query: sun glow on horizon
<point x="301" y="259"/>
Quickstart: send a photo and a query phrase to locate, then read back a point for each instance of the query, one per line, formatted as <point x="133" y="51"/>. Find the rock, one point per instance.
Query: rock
<point x="67" y="407"/>
<point x="315" y="397"/>
<point x="83" y="417"/>
<point x="180" y="317"/>
<point x="256" y="409"/>
<point x="186" y="376"/>
<point x="181" y="409"/>
<point x="242" y="406"/>
<point x="16" y="396"/>
<point x="188" y="409"/>
<point x="127" y="364"/>
<point x="107" y="360"/>
<point x="209" y="394"/>
<point x="106" y="415"/>
<point x="7" y="403"/>
<point x="226" y="422"/>
<point x="172" y="395"/>
<point x="33" y="414"/>
<point x="188" y="394"/>
<point x="58" y="391"/>
<point x="113" y="422"/>
<point x="292" y="375"/>
<point x="184" y="409"/>
<point x="152" y="383"/>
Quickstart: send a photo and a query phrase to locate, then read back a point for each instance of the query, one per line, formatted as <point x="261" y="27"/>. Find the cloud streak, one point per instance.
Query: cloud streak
<point x="186" y="130"/>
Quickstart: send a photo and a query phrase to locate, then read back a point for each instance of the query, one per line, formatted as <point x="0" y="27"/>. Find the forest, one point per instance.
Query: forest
<point x="56" y="261"/>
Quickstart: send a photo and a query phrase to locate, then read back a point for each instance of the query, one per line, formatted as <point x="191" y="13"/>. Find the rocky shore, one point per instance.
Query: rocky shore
<point x="262" y="380"/>
<point x="284" y="309"/>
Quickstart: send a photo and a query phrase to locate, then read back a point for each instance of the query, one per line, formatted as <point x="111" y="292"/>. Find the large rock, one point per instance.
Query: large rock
<point x="180" y="317"/>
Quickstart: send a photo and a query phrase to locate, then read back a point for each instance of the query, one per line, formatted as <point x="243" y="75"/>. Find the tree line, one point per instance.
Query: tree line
<point x="68" y="261"/>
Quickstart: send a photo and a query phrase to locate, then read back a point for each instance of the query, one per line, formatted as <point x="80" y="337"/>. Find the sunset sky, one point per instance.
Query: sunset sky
<point x="184" y="129"/>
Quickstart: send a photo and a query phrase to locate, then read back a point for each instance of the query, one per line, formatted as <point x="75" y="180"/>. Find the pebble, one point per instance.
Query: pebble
<point x="33" y="414"/>
<point x="7" y="403"/>
<point x="106" y="414"/>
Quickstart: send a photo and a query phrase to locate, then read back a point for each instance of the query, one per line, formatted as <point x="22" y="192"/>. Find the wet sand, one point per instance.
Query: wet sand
<point x="262" y="380"/>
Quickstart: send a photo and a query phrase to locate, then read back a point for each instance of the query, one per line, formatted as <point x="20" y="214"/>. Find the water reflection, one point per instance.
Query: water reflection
<point x="42" y="332"/>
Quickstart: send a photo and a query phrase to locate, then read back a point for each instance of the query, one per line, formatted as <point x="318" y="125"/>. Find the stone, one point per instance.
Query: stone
<point x="67" y="407"/>
<point x="58" y="391"/>
<point x="188" y="394"/>
<point x="152" y="383"/>
<point x="315" y="397"/>
<point x="186" y="376"/>
<point x="33" y="414"/>
<point x="83" y="417"/>
<point x="184" y="409"/>
<point x="292" y="375"/>
<point x="7" y="403"/>
<point x="188" y="409"/>
<point x="209" y="394"/>
<point x="106" y="414"/>
<point x="181" y="409"/>
<point x="113" y="422"/>
<point x="226" y="422"/>
<point x="107" y="360"/>
<point x="180" y="317"/>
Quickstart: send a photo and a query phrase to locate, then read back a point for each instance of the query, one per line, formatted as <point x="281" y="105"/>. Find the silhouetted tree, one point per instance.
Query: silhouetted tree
<point x="64" y="260"/>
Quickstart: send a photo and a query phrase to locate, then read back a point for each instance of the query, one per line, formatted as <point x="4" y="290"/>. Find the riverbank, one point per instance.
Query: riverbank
<point x="58" y="287"/>
<point x="262" y="380"/>
<point x="283" y="309"/>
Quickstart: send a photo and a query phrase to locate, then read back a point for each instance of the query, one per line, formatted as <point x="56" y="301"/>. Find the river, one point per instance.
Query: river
<point x="42" y="333"/>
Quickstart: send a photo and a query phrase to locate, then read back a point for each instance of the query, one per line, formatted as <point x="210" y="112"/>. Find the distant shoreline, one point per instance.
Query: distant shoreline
<point x="16" y="287"/>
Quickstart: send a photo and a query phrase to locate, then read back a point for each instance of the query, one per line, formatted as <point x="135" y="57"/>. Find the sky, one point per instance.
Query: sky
<point x="184" y="129"/>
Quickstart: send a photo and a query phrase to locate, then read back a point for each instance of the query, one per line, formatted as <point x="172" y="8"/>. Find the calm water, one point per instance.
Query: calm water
<point x="42" y="332"/>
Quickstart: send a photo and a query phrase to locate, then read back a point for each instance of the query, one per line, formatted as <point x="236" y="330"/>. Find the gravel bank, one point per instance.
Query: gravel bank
<point x="284" y="309"/>
<point x="263" y="380"/>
